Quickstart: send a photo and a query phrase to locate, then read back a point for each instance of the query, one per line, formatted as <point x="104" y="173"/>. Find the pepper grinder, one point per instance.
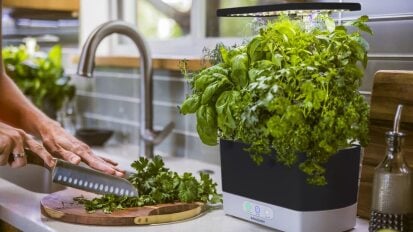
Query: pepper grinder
<point x="392" y="185"/>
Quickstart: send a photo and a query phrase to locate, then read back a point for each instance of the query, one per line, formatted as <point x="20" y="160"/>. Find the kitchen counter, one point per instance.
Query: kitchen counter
<point x="20" y="207"/>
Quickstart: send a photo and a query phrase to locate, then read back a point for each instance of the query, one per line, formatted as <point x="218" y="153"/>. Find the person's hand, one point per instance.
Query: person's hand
<point x="13" y="142"/>
<point x="62" y="144"/>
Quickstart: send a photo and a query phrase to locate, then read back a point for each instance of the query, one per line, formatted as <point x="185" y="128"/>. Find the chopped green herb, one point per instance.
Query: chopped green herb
<point x="156" y="184"/>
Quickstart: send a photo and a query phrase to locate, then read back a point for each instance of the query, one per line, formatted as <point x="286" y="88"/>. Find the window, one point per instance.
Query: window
<point x="180" y="27"/>
<point x="229" y="26"/>
<point x="163" y="19"/>
<point x="167" y="19"/>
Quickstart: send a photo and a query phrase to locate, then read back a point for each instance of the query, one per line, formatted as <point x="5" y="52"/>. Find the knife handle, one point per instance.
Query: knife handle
<point x="33" y="158"/>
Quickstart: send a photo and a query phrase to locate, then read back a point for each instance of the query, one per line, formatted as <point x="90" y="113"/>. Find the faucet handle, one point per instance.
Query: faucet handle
<point x="161" y="135"/>
<point x="156" y="137"/>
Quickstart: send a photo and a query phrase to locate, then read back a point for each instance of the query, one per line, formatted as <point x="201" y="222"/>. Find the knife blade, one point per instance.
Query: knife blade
<point x="84" y="178"/>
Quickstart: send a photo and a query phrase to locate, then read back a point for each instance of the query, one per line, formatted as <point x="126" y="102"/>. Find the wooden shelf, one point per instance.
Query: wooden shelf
<point x="171" y="64"/>
<point x="57" y="5"/>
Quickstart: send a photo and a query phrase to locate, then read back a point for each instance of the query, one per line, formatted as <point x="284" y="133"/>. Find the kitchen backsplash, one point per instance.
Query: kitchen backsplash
<point x="111" y="99"/>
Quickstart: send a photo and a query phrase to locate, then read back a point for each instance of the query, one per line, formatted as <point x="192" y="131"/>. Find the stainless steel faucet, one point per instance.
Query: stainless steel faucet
<point x="149" y="137"/>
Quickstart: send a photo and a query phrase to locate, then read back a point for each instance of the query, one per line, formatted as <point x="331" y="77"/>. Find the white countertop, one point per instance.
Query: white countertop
<point x="21" y="208"/>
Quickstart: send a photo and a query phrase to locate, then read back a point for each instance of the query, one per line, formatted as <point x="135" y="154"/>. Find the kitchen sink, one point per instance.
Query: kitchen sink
<point x="31" y="177"/>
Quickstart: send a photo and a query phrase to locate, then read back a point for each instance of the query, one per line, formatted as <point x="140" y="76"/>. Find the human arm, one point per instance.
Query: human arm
<point x="17" y="111"/>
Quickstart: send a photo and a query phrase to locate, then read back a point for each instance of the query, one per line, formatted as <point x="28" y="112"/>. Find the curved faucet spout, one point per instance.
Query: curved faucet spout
<point x="87" y="58"/>
<point x="87" y="63"/>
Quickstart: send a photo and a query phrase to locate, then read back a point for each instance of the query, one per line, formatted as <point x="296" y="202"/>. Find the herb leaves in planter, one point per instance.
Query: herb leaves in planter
<point x="289" y="88"/>
<point x="156" y="184"/>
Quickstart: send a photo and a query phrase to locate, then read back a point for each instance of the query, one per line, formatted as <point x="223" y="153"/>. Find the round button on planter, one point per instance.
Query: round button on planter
<point x="257" y="209"/>
<point x="247" y="206"/>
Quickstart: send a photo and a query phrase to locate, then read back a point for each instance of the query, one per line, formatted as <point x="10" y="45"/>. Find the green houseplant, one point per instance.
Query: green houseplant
<point x="289" y="88"/>
<point x="40" y="76"/>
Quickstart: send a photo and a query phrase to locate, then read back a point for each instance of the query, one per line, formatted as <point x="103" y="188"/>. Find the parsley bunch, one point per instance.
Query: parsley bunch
<point x="156" y="184"/>
<point x="290" y="88"/>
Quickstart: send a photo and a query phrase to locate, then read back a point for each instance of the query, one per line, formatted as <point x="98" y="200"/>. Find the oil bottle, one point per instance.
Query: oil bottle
<point x="392" y="185"/>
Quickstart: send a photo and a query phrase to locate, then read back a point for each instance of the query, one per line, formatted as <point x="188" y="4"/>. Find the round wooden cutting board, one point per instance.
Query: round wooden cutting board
<point x="60" y="206"/>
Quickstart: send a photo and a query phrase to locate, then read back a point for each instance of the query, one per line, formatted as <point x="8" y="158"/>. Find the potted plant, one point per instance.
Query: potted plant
<point x="288" y="98"/>
<point x="39" y="75"/>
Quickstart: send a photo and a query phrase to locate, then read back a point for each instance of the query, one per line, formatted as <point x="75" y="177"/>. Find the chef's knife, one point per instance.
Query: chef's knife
<point x="83" y="178"/>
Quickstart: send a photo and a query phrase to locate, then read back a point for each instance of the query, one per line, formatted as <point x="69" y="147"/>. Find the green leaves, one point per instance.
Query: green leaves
<point x="360" y="23"/>
<point x="188" y="188"/>
<point x="239" y="68"/>
<point x="330" y="24"/>
<point x="190" y="105"/>
<point x="214" y="89"/>
<point x="206" y="126"/>
<point x="156" y="184"/>
<point x="254" y="49"/>
<point x="290" y="88"/>
<point x="227" y="111"/>
<point x="55" y="56"/>
<point x="40" y="76"/>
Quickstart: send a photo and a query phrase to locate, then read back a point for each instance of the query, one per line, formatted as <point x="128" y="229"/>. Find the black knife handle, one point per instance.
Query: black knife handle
<point x="33" y="158"/>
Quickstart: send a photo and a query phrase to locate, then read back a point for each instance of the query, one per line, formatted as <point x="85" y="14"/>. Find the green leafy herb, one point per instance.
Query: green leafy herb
<point x="290" y="88"/>
<point x="156" y="184"/>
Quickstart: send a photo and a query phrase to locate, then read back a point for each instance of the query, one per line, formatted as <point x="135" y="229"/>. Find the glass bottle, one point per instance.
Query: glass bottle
<point x="392" y="185"/>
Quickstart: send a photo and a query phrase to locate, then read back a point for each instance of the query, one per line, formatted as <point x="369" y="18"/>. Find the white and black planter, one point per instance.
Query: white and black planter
<point x="279" y="197"/>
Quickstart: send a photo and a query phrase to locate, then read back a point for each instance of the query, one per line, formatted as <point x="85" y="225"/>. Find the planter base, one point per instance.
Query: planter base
<point x="280" y="197"/>
<point x="287" y="219"/>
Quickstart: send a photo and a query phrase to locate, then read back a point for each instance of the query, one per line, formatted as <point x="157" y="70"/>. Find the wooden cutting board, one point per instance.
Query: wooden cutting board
<point x="60" y="206"/>
<point x="390" y="88"/>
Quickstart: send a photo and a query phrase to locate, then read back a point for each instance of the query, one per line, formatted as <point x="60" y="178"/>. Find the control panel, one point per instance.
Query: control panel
<point x="257" y="210"/>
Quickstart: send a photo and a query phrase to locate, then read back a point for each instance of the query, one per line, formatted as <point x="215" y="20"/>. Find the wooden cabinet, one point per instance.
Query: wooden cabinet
<point x="56" y="5"/>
